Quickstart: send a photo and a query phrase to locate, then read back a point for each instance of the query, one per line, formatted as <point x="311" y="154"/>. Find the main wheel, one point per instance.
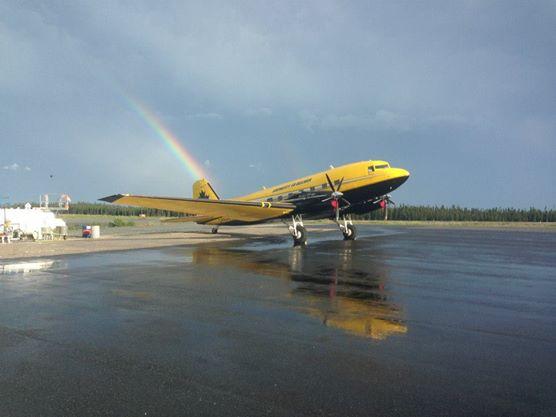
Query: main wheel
<point x="300" y="237"/>
<point x="350" y="233"/>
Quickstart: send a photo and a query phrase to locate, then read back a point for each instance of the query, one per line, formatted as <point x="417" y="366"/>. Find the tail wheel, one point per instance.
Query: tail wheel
<point x="300" y="238"/>
<point x="350" y="233"/>
<point x="214" y="230"/>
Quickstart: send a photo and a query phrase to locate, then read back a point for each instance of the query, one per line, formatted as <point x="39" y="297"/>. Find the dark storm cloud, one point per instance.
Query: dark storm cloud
<point x="463" y="94"/>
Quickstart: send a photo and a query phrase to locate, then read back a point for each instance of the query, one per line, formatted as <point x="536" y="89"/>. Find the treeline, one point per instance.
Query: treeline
<point x="455" y="213"/>
<point x="82" y="207"/>
<point x="114" y="210"/>
<point x="400" y="212"/>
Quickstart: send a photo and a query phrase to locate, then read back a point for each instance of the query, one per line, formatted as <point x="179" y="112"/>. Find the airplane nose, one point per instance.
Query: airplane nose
<point x="398" y="177"/>
<point x="400" y="173"/>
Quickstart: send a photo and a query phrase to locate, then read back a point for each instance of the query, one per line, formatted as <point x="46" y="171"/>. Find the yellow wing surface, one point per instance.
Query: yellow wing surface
<point x="189" y="219"/>
<point x="246" y="211"/>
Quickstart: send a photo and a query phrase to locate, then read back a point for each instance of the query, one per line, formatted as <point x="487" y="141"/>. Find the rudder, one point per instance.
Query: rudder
<point x="203" y="189"/>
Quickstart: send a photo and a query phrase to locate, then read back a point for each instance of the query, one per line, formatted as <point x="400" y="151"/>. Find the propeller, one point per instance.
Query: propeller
<point x="384" y="201"/>
<point x="336" y="196"/>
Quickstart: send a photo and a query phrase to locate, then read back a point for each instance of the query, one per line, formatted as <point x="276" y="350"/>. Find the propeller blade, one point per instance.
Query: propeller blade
<point x="330" y="183"/>
<point x="340" y="184"/>
<point x="345" y="201"/>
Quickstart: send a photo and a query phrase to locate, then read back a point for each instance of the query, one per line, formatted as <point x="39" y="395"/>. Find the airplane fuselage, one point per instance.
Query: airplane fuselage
<point x="363" y="183"/>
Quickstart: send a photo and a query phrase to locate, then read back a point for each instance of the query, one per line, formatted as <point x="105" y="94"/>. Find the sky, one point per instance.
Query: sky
<point x="462" y="94"/>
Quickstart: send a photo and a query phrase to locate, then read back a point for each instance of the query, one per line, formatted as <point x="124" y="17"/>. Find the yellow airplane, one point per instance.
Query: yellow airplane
<point x="336" y="193"/>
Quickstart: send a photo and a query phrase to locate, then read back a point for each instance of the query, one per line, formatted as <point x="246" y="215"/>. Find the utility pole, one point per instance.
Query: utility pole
<point x="5" y="225"/>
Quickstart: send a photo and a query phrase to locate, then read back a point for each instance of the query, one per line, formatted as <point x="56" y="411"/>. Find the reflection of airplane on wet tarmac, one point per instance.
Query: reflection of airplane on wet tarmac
<point x="358" y="188"/>
<point x="340" y="295"/>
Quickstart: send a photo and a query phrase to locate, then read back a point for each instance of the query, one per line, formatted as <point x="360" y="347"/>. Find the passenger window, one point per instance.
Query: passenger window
<point x="381" y="166"/>
<point x="371" y="169"/>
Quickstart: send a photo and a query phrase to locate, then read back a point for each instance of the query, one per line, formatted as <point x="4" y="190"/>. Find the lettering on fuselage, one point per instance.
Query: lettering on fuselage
<point x="291" y="185"/>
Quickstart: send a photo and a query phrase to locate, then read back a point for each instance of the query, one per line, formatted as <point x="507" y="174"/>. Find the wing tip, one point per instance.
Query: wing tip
<point x="112" y="198"/>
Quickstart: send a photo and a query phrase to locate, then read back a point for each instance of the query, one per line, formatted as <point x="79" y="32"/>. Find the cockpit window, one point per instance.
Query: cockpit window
<point x="373" y="168"/>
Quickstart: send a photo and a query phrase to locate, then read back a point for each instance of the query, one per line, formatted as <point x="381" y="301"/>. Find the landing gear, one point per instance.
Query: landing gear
<point x="300" y="238"/>
<point x="214" y="230"/>
<point x="350" y="233"/>
<point x="347" y="227"/>
<point x="345" y="224"/>
<point x="298" y="231"/>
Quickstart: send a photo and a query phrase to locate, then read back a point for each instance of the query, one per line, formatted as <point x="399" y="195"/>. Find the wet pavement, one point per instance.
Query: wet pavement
<point x="402" y="322"/>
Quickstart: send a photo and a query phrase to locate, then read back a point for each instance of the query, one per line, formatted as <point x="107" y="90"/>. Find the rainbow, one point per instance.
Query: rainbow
<point x="193" y="167"/>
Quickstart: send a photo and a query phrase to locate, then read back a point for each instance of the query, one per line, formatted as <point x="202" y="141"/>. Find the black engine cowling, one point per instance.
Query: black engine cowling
<point x="363" y="208"/>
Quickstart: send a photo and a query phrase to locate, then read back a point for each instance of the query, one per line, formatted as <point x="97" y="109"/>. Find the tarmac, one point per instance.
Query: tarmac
<point x="401" y="322"/>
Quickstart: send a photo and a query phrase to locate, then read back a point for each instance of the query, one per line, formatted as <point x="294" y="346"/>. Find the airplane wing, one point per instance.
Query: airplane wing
<point x="247" y="211"/>
<point x="188" y="219"/>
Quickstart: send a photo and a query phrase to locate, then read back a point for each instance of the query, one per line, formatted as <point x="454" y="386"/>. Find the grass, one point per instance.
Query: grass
<point x="119" y="222"/>
<point x="451" y="224"/>
<point x="77" y="221"/>
<point x="459" y="224"/>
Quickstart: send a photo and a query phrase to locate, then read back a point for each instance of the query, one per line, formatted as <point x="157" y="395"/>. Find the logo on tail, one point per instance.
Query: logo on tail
<point x="203" y="190"/>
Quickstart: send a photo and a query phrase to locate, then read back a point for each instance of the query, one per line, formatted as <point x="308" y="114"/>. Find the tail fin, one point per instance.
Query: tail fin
<point x="202" y="189"/>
